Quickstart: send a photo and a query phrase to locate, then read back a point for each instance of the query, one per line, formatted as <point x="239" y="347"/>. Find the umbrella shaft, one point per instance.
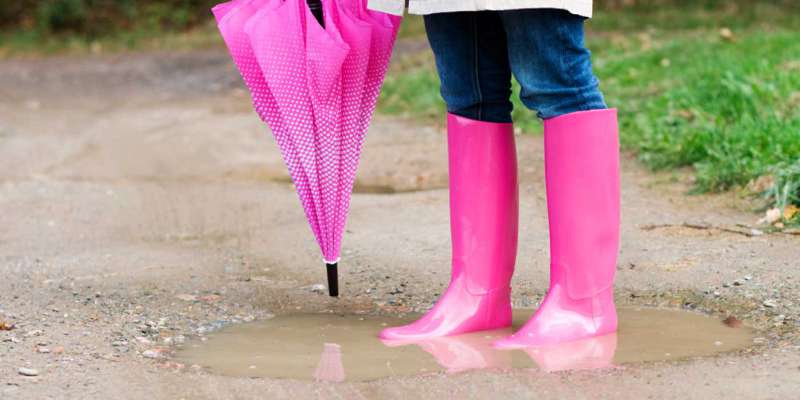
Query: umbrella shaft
<point x="333" y="279"/>
<point x="316" y="9"/>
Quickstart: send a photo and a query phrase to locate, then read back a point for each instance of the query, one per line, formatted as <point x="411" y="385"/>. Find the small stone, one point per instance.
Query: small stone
<point x="770" y="303"/>
<point x="726" y="284"/>
<point x="738" y="282"/>
<point x="58" y="350"/>
<point x="186" y="297"/>
<point x="318" y="288"/>
<point x="154" y="353"/>
<point x="748" y="277"/>
<point x="143" y="340"/>
<point x="43" y="350"/>
<point x="28" y="372"/>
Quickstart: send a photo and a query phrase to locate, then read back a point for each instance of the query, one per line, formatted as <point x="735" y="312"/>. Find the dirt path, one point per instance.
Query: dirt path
<point x="141" y="202"/>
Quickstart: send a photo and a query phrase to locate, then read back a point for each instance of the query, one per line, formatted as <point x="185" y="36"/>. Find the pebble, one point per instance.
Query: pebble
<point x="770" y="303"/>
<point x="43" y="350"/>
<point x="318" y="288"/>
<point x="153" y="353"/>
<point x="186" y="297"/>
<point x="143" y="340"/>
<point x="28" y="372"/>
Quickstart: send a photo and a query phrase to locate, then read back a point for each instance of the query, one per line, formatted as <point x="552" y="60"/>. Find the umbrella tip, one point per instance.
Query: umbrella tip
<point x="333" y="279"/>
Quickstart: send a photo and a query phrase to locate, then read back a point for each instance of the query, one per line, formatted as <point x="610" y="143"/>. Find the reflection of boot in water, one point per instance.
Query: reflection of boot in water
<point x="592" y="353"/>
<point x="461" y="352"/>
<point x="330" y="368"/>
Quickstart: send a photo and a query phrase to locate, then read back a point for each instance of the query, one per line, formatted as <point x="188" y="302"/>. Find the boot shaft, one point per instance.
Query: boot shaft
<point x="583" y="199"/>
<point x="484" y="205"/>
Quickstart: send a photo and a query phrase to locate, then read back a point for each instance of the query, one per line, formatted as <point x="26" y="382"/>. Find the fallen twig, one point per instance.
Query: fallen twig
<point x="749" y="232"/>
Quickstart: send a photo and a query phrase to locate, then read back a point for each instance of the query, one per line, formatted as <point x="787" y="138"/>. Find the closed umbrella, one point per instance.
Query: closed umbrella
<point x="314" y="72"/>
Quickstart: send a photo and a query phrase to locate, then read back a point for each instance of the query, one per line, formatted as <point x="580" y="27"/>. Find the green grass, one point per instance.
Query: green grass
<point x="726" y="105"/>
<point x="730" y="109"/>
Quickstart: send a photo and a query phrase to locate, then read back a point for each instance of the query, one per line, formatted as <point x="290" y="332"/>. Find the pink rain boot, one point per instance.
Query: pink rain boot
<point x="582" y="176"/>
<point x="483" y="222"/>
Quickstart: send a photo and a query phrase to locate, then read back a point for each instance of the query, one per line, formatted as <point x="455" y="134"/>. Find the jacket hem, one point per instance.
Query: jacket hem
<point x="577" y="7"/>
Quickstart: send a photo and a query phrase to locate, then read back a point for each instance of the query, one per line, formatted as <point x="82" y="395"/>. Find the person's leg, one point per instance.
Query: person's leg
<point x="581" y="173"/>
<point x="472" y="63"/>
<point x="548" y="57"/>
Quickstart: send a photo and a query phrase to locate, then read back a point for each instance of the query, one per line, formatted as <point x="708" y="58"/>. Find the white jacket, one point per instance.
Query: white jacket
<point x="579" y="7"/>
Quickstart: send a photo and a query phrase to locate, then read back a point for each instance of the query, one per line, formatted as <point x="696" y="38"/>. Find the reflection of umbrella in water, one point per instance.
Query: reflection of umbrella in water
<point x="330" y="368"/>
<point x="314" y="76"/>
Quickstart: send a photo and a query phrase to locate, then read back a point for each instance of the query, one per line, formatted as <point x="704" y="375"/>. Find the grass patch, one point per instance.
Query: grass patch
<point x="730" y="109"/>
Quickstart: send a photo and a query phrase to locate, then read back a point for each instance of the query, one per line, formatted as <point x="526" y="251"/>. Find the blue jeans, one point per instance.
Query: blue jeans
<point x="476" y="53"/>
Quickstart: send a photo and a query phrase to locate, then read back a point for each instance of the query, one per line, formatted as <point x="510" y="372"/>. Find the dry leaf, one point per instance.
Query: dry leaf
<point x="732" y="322"/>
<point x="726" y="33"/>
<point x="772" y="216"/>
<point x="6" y="326"/>
<point x="790" y="211"/>
<point x="761" y="184"/>
<point x="211" y="298"/>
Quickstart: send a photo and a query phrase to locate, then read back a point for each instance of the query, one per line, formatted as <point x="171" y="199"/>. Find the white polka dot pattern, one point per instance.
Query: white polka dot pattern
<point x="317" y="88"/>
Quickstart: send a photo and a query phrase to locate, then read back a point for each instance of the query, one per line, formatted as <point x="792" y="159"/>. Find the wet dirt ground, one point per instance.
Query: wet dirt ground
<point x="143" y="204"/>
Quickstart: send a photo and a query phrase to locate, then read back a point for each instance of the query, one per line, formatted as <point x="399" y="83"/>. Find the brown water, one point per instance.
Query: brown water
<point x="329" y="347"/>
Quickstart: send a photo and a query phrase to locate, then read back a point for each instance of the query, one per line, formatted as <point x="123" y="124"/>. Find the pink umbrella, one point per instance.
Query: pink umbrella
<point x="314" y="74"/>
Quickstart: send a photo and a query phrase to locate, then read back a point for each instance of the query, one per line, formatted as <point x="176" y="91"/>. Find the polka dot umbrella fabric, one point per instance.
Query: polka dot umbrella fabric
<point x="316" y="86"/>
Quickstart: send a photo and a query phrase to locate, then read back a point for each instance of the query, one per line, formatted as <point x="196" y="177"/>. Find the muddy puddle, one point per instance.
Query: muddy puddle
<point x="330" y="347"/>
